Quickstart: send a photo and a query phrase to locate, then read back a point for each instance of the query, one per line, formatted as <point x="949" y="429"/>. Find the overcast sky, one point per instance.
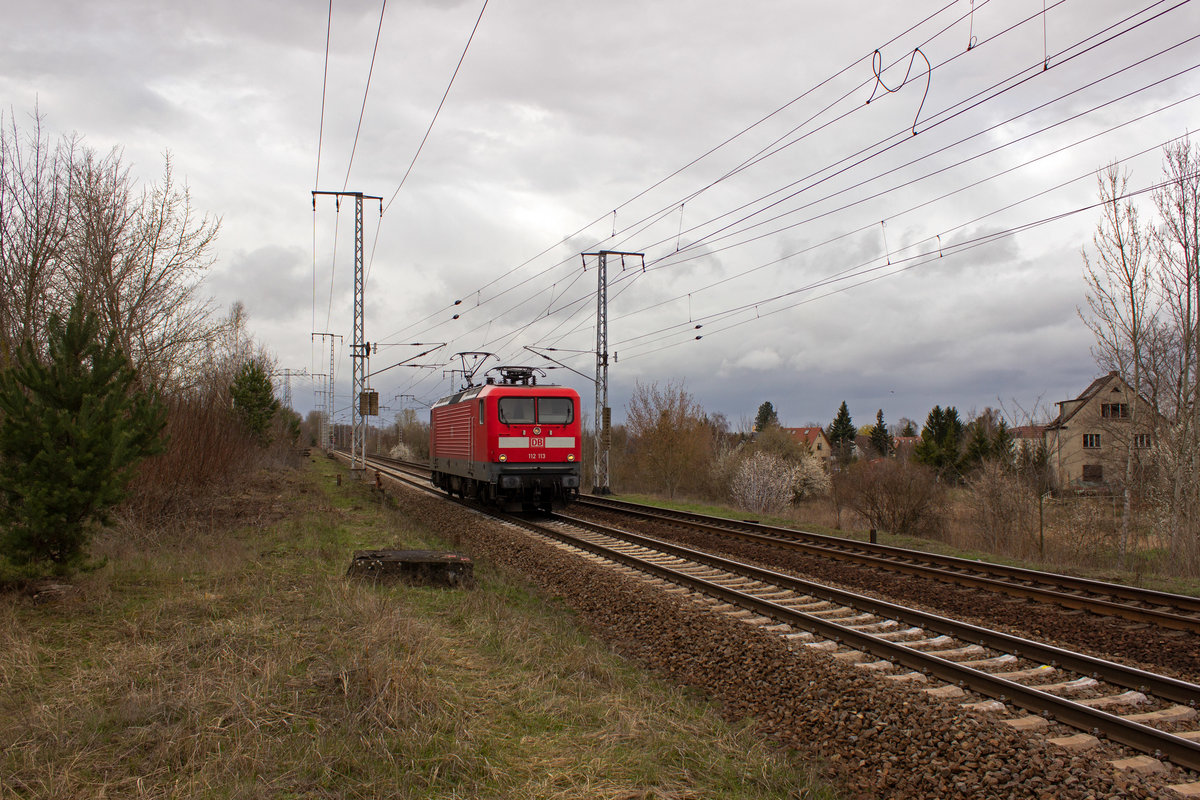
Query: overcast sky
<point x="827" y="253"/>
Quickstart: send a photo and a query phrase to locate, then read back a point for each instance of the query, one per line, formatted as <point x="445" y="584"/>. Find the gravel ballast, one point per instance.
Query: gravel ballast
<point x="871" y="737"/>
<point x="1172" y="652"/>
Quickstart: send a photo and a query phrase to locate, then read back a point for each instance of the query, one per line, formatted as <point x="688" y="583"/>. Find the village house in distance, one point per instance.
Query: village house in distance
<point x="1086" y="444"/>
<point x="815" y="440"/>
<point x="1089" y="440"/>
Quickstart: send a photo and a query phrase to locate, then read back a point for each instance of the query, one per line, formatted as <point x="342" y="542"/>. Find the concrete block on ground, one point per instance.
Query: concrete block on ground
<point x="416" y="567"/>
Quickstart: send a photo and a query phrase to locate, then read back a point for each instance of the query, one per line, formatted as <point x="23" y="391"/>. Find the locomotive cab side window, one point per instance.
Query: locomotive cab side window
<point x="555" y="410"/>
<point x="516" y="410"/>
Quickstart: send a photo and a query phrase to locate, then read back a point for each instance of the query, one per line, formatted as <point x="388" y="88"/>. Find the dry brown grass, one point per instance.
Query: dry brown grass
<point x="222" y="661"/>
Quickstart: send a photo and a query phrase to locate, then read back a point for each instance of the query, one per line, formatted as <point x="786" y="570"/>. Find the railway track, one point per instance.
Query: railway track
<point x="882" y="637"/>
<point x="1161" y="609"/>
<point x="1153" y="714"/>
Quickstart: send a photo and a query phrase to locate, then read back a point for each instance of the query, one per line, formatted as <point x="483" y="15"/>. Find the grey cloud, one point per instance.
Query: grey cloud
<point x="274" y="282"/>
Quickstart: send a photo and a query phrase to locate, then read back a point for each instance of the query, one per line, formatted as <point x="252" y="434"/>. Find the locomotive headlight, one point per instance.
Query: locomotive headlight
<point x="503" y="457"/>
<point x="570" y="456"/>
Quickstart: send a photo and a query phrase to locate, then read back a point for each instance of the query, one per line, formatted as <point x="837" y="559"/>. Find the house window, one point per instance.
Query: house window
<point x="818" y="447"/>
<point x="1091" y="440"/>
<point x="1141" y="440"/>
<point x="1093" y="473"/>
<point x="1114" y="411"/>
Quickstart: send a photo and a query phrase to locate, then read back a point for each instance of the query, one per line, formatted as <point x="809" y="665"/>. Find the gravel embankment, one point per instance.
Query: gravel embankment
<point x="1175" y="653"/>
<point x="872" y="738"/>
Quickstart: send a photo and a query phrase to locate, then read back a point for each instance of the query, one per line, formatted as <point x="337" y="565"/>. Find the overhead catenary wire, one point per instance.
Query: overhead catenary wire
<point x="763" y="301"/>
<point x="366" y="91"/>
<point x="438" y="111"/>
<point x="324" y="88"/>
<point x="676" y="259"/>
<point x="317" y="174"/>
<point x="913" y="262"/>
<point x="945" y="195"/>
<point x="563" y="297"/>
<point x="1017" y="75"/>
<point x="990" y="151"/>
<point x="869" y="267"/>
<point x="723" y="144"/>
<point x="898" y="138"/>
<point x="895" y="140"/>
<point x="425" y="138"/>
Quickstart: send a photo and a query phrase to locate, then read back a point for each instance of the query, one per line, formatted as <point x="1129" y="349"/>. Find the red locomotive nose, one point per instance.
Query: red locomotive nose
<point x="513" y="443"/>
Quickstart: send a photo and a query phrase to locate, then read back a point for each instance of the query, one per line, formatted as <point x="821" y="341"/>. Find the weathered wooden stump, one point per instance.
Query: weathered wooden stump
<point x="416" y="567"/>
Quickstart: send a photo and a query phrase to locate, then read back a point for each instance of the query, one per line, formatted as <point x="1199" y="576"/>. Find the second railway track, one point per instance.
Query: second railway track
<point x="1161" y="609"/>
<point x="1025" y="673"/>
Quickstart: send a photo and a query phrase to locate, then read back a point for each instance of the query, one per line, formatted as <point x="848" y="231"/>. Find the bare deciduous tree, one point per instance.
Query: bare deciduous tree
<point x="672" y="440"/>
<point x="1146" y="316"/>
<point x="900" y="497"/>
<point x="1122" y="307"/>
<point x="73" y="222"/>
<point x="34" y="203"/>
<point x="1173" y="363"/>
<point x="1002" y="508"/>
<point x="138" y="258"/>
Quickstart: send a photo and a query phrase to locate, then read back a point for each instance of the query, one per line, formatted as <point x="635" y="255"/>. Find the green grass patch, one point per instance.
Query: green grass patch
<point x="232" y="658"/>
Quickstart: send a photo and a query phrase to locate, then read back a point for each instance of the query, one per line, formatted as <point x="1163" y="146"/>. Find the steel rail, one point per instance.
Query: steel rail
<point x="1144" y="738"/>
<point x="1129" y="677"/>
<point x="962" y="571"/>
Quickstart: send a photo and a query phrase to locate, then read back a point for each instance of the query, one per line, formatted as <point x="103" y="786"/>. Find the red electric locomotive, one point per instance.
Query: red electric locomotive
<point x="508" y="442"/>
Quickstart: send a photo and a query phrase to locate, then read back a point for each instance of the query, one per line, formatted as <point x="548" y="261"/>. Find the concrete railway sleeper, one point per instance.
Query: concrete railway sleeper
<point x="1013" y="671"/>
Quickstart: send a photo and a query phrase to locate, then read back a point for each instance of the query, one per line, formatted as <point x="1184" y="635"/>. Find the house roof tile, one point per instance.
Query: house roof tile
<point x="806" y="435"/>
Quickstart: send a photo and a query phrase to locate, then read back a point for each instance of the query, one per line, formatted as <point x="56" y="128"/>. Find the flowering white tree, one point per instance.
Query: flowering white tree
<point x="811" y="479"/>
<point x="763" y="483"/>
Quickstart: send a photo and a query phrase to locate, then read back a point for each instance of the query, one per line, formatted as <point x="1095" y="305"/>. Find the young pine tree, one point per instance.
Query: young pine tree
<point x="254" y="400"/>
<point x="881" y="439"/>
<point x="941" y="443"/>
<point x="75" y="427"/>
<point x="766" y="417"/>
<point x="841" y="434"/>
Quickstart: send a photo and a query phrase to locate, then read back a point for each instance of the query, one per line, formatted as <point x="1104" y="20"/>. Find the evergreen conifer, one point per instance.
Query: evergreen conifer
<point x="75" y="427"/>
<point x="254" y="399"/>
<point x="881" y="440"/>
<point x="841" y="434"/>
<point x="766" y="417"/>
<point x="941" y="443"/>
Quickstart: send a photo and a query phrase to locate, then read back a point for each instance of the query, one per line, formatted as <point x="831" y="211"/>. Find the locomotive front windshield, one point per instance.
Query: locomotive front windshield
<point x="546" y="410"/>
<point x="555" y="410"/>
<point x="516" y="410"/>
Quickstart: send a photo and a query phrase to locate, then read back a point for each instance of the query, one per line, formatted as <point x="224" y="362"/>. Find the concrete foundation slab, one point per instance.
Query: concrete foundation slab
<point x="417" y="567"/>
